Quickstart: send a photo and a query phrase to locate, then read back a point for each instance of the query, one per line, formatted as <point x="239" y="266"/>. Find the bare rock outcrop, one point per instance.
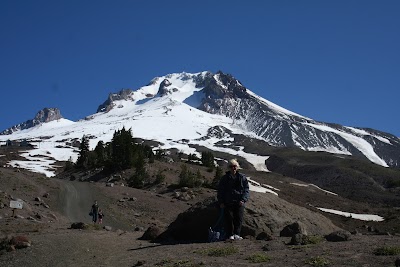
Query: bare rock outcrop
<point x="265" y="214"/>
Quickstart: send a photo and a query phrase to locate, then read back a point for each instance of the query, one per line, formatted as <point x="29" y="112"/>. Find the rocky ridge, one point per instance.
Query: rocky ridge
<point x="43" y="116"/>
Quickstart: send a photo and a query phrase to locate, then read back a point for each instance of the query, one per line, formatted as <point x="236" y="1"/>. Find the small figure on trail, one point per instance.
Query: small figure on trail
<point x="232" y="194"/>
<point x="94" y="211"/>
<point x="101" y="215"/>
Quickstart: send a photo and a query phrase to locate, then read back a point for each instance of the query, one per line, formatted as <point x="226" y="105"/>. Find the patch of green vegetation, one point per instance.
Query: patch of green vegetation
<point x="297" y="247"/>
<point x="392" y="183"/>
<point x="160" y="177"/>
<point x="28" y="187"/>
<point x="313" y="239"/>
<point x="220" y="252"/>
<point x="178" y="263"/>
<point x="258" y="258"/>
<point x="317" y="261"/>
<point x="387" y="251"/>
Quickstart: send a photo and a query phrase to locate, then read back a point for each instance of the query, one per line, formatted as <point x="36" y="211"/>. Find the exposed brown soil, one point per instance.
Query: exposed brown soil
<point x="129" y="212"/>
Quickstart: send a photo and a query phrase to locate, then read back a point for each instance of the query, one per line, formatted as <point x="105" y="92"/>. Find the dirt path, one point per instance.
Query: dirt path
<point x="76" y="199"/>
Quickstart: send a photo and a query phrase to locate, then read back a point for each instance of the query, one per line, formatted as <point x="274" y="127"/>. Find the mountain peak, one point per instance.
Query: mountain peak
<point x="222" y="85"/>
<point x="44" y="115"/>
<point x="185" y="106"/>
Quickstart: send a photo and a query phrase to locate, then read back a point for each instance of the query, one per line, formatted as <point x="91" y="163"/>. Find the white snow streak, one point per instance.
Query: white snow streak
<point x="358" y="142"/>
<point x="363" y="217"/>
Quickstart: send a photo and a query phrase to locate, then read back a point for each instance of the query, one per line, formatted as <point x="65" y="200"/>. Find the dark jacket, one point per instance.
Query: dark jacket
<point x="233" y="189"/>
<point x="95" y="209"/>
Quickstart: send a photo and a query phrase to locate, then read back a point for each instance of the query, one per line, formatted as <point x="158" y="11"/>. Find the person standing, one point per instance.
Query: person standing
<point x="95" y="211"/>
<point x="232" y="194"/>
<point x="101" y="216"/>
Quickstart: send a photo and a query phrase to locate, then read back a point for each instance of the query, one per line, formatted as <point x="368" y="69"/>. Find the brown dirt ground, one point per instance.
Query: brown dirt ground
<point x="54" y="244"/>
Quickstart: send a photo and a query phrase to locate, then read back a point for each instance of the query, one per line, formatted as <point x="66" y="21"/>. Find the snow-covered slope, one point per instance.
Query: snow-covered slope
<point x="179" y="110"/>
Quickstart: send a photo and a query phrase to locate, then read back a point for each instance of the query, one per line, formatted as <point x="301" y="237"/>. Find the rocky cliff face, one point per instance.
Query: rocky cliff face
<point x="44" y="115"/>
<point x="124" y="94"/>
<point x="227" y="96"/>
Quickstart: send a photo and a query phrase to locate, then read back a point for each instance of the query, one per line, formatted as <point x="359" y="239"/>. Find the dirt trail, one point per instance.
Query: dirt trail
<point x="76" y="199"/>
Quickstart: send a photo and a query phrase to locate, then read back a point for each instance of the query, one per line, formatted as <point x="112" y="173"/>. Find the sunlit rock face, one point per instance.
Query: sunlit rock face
<point x="43" y="116"/>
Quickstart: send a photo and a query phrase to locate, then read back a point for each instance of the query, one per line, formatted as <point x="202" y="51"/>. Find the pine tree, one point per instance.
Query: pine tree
<point x="69" y="165"/>
<point x="217" y="177"/>
<point x="198" y="179"/>
<point x="100" y="154"/>
<point x="122" y="150"/>
<point x="184" y="176"/>
<point x="83" y="153"/>
<point x="207" y="159"/>
<point x="138" y="179"/>
<point x="160" y="177"/>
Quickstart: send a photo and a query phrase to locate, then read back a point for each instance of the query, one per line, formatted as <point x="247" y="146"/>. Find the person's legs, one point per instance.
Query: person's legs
<point x="237" y="219"/>
<point x="228" y="219"/>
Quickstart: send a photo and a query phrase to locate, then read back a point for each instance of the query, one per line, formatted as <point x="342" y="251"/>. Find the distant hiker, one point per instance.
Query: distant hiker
<point x="94" y="211"/>
<point x="232" y="194"/>
<point x="101" y="215"/>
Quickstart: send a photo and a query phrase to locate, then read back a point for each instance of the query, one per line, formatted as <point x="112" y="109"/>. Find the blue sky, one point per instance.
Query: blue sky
<point x="334" y="61"/>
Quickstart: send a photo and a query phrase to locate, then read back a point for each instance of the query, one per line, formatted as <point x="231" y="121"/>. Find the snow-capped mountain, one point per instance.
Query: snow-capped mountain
<point x="183" y="110"/>
<point x="44" y="115"/>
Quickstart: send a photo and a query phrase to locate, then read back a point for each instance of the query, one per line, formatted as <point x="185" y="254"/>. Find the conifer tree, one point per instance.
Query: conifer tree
<point x="198" y="179"/>
<point x="83" y="153"/>
<point x="69" y="165"/>
<point x="100" y="153"/>
<point x="217" y="177"/>
<point x="207" y="159"/>
<point x="121" y="149"/>
<point x="184" y="176"/>
<point x="138" y="179"/>
<point x="160" y="177"/>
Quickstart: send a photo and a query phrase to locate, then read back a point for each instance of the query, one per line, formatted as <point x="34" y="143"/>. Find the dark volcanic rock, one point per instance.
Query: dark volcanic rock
<point x="264" y="213"/>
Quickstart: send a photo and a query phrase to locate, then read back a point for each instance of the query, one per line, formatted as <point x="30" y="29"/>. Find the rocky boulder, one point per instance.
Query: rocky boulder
<point x="265" y="214"/>
<point x="11" y="243"/>
<point x="78" y="225"/>
<point x="338" y="236"/>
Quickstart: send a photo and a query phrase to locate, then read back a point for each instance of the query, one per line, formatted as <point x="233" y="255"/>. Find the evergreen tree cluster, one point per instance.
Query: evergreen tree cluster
<point x="190" y="179"/>
<point x="124" y="153"/>
<point x="207" y="159"/>
<point x="119" y="154"/>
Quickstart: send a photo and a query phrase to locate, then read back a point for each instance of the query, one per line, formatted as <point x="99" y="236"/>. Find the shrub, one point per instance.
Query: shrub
<point x="258" y="258"/>
<point x="313" y="239"/>
<point x="177" y="263"/>
<point x="160" y="177"/>
<point x="387" y="251"/>
<point x="221" y="252"/>
<point x="317" y="261"/>
<point x="189" y="179"/>
<point x="393" y="183"/>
